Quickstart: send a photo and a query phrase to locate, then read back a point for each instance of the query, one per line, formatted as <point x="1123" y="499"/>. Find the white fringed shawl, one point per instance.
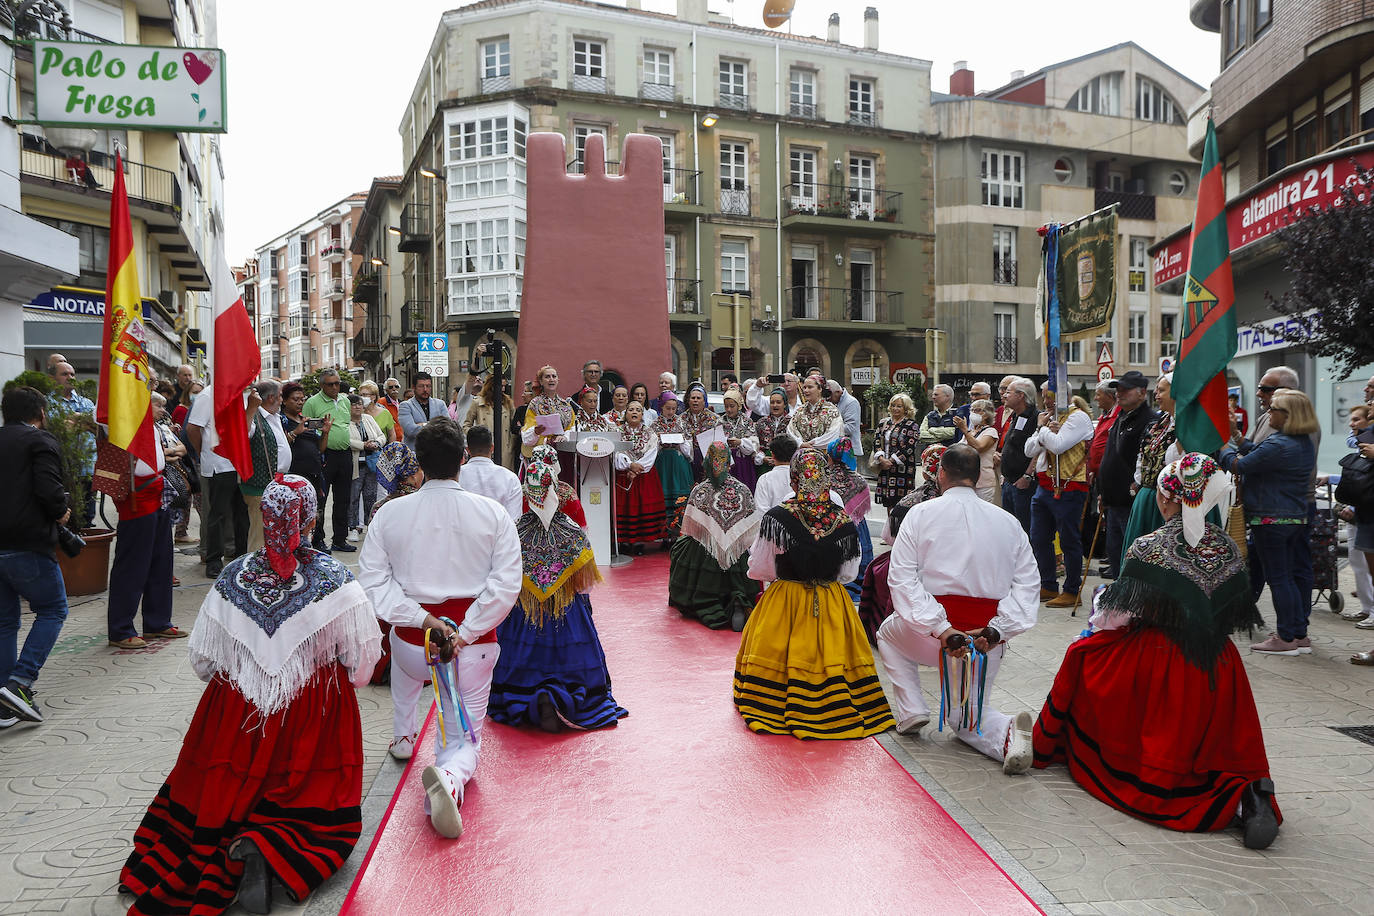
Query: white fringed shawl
<point x="270" y="671"/>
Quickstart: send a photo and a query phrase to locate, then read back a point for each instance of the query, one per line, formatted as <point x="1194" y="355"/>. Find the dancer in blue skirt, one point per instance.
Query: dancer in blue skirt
<point x="552" y="671"/>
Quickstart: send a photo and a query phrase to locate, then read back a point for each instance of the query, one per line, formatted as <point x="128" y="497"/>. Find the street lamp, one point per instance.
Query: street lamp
<point x="709" y="119"/>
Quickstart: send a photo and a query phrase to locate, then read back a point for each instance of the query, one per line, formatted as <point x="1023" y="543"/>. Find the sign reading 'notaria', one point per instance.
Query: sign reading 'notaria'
<point x="1087" y="276"/>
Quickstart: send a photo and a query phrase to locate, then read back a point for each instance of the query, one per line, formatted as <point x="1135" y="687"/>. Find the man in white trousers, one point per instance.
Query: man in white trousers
<point x="961" y="572"/>
<point x="442" y="552"/>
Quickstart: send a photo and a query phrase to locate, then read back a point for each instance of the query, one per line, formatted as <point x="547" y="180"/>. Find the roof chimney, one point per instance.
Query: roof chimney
<point x="871" y="28"/>
<point x="691" y="10"/>
<point x="961" y="80"/>
<point x="1017" y="74"/>
<point x="832" y="31"/>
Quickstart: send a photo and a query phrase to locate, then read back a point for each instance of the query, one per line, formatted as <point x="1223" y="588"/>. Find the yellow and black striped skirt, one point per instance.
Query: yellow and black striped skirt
<point x="805" y="668"/>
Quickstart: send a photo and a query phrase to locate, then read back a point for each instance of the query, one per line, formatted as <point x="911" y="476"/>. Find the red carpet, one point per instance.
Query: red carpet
<point x="678" y="809"/>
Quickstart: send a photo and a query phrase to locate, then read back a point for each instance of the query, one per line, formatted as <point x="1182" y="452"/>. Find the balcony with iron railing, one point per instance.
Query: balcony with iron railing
<point x="414" y="317"/>
<point x="861" y="118"/>
<point x="333" y="288"/>
<point x="1132" y="206"/>
<point x="496" y="83"/>
<point x="146" y="185"/>
<point x="1004" y="349"/>
<point x="330" y="325"/>
<point x="582" y="82"/>
<point x="853" y="210"/>
<point x="684" y="297"/>
<point x="333" y="250"/>
<point x="366" y="284"/>
<point x="734" y="101"/>
<point x="657" y="92"/>
<point x="415" y="228"/>
<point x="371" y="336"/>
<point x="735" y="201"/>
<point x="1004" y="271"/>
<point x="804" y="110"/>
<point x="844" y="304"/>
<point x="682" y="193"/>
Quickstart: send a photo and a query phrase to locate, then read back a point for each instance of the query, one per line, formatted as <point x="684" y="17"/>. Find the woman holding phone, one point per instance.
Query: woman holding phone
<point x="308" y="438"/>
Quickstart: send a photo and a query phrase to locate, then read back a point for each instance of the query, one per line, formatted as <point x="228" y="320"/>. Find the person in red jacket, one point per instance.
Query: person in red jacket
<point x="1108" y="411"/>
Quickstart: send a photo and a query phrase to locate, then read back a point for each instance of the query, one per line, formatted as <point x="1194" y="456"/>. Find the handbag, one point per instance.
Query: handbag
<point x="176" y="477"/>
<point x="1356" y="488"/>
<point x="114" y="473"/>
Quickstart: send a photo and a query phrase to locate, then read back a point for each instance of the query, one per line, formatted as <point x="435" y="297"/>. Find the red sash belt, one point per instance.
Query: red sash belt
<point x="967" y="613"/>
<point x="1066" y="486"/>
<point x="455" y="609"/>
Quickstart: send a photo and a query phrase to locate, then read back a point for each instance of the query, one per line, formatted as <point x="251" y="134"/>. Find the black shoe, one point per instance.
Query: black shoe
<point x="345" y="548"/>
<point x="739" y="619"/>
<point x="255" y="888"/>
<point x="1257" y="814"/>
<point x="322" y="547"/>
<point x="548" y="715"/>
<point x="213" y="569"/>
<point x="19" y="700"/>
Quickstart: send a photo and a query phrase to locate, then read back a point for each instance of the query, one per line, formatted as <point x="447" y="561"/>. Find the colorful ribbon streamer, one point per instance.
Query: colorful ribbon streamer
<point x="443" y="677"/>
<point x="972" y="674"/>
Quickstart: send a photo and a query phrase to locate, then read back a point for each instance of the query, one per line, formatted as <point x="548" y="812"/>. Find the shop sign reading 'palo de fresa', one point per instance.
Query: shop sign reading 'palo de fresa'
<point x="138" y="87"/>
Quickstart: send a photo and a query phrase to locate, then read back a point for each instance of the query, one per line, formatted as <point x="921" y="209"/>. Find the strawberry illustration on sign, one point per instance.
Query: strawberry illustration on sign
<point x="199" y="69"/>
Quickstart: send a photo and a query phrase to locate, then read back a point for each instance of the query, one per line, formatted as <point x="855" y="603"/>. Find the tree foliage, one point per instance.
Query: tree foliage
<point x="878" y="395"/>
<point x="73" y="444"/>
<point x="1329" y="254"/>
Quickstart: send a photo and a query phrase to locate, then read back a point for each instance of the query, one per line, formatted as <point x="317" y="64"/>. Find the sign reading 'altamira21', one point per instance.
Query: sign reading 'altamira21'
<point x="142" y="87"/>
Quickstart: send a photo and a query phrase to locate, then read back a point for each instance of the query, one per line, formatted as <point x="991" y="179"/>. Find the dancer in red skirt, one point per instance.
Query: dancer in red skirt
<point x="640" y="514"/>
<point x="268" y="787"/>
<point x="1153" y="712"/>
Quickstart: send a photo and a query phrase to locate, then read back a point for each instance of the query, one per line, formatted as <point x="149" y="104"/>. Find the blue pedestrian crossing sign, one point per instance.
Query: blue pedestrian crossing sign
<point x="433" y="353"/>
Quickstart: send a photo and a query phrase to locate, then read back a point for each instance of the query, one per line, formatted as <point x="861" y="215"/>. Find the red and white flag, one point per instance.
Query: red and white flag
<point x="234" y="364"/>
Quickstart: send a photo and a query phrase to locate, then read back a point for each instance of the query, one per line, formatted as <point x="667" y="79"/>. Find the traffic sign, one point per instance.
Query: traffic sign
<point x="1104" y="373"/>
<point x="1166" y="365"/>
<point x="1104" y="355"/>
<point x="433" y="353"/>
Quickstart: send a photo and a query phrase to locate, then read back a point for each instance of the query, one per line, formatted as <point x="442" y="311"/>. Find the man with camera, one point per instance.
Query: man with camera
<point x="28" y="562"/>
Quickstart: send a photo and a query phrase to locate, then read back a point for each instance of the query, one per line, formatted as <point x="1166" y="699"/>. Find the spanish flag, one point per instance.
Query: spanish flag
<point x="123" y="401"/>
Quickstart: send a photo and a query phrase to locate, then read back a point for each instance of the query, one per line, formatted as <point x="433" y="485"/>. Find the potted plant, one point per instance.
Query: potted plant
<point x="88" y="573"/>
<point x="689" y="299"/>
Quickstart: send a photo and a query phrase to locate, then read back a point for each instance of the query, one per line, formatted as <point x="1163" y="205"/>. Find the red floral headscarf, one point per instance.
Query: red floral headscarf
<point x="288" y="508"/>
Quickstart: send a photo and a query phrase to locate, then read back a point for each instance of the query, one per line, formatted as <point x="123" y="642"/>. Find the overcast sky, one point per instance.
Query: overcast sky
<point x="316" y="90"/>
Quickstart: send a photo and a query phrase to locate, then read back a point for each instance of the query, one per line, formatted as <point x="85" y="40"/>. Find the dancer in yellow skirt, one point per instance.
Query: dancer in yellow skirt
<point x="804" y="666"/>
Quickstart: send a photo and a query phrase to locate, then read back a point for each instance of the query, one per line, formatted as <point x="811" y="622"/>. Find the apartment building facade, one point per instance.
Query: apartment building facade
<point x="1057" y="144"/>
<point x="175" y="185"/>
<point x="302" y="286"/>
<point x="796" y="173"/>
<point x="1293" y="107"/>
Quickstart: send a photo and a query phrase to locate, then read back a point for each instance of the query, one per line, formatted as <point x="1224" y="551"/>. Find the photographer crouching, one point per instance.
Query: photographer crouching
<point x="35" y="510"/>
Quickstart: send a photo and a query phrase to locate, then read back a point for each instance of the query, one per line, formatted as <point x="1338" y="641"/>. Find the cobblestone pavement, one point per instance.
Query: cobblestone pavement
<point x="75" y="787"/>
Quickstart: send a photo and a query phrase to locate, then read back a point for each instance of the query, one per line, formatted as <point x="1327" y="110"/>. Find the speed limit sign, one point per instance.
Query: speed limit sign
<point x="1104" y="373"/>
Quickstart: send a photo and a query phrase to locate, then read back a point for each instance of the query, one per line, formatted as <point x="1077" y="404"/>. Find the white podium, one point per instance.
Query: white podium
<point x="594" y="451"/>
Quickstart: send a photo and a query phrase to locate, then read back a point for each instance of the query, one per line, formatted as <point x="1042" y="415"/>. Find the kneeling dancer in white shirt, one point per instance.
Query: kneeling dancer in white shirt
<point x="442" y="552"/>
<point x="960" y="567"/>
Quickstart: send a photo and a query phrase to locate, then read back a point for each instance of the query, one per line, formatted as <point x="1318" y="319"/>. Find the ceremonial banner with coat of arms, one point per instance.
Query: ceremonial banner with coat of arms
<point x="1087" y="276"/>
